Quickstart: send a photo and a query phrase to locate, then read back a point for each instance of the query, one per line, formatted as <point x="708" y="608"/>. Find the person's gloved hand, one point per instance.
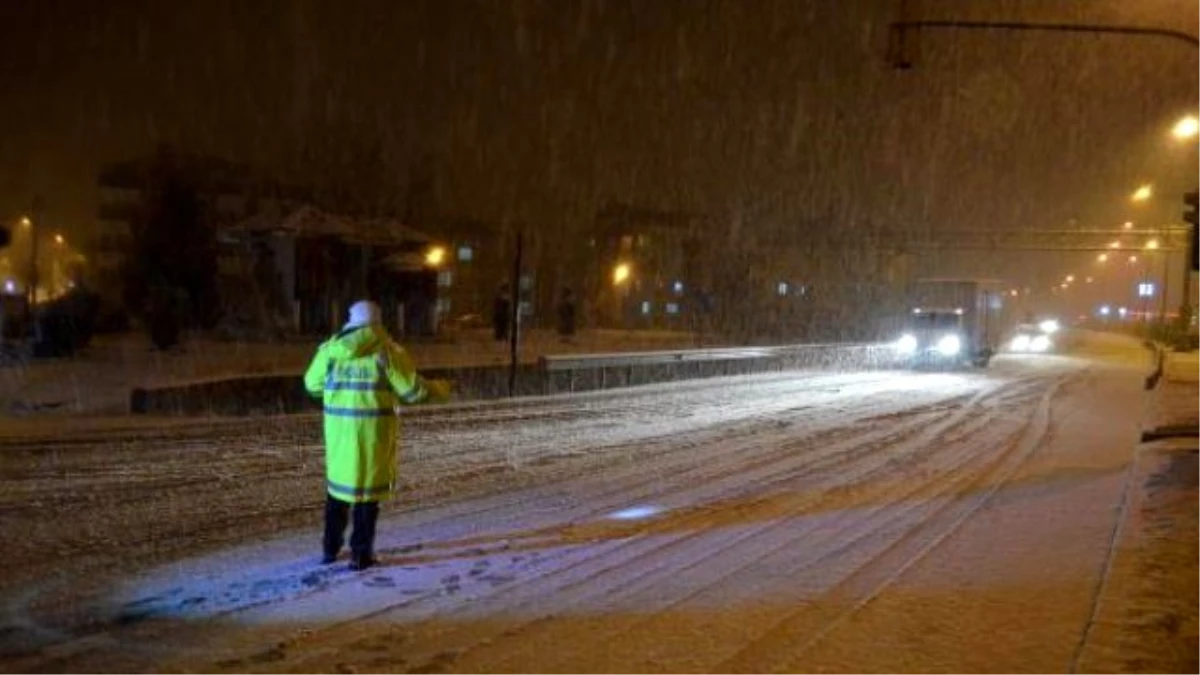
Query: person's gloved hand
<point x="438" y="391"/>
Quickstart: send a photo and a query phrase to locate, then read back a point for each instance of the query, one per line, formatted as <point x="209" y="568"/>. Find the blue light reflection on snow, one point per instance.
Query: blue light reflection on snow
<point x="634" y="513"/>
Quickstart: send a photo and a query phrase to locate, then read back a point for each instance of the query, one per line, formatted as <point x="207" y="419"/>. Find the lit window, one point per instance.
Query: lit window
<point x="466" y="254"/>
<point x="677" y="286"/>
<point x="672" y="308"/>
<point x="645" y="307"/>
<point x="782" y="288"/>
<point x="445" y="278"/>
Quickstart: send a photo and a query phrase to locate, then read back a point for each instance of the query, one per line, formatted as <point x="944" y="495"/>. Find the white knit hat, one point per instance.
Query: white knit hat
<point x="362" y="313"/>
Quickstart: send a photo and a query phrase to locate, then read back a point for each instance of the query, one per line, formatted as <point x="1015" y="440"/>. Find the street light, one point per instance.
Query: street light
<point x="1142" y="194"/>
<point x="433" y="257"/>
<point x="1152" y="245"/>
<point x="1132" y="259"/>
<point x="1114" y="244"/>
<point x="620" y="274"/>
<point x="1103" y="257"/>
<point x="1128" y="225"/>
<point x="1186" y="128"/>
<point x="26" y="222"/>
<point x="1070" y="278"/>
<point x="58" y="239"/>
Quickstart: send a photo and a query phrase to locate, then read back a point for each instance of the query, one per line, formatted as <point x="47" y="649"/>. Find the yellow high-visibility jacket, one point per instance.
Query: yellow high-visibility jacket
<point x="361" y="375"/>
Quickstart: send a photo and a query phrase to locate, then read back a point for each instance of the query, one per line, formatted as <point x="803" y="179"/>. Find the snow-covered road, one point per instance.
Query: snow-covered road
<point x="798" y="521"/>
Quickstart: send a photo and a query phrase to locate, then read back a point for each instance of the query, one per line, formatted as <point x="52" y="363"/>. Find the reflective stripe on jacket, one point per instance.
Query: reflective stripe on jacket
<point x="361" y="375"/>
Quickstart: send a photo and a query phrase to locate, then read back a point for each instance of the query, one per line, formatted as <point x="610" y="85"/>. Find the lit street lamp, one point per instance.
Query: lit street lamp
<point x="1186" y="128"/>
<point x="435" y="256"/>
<point x="620" y="274"/>
<point x="1103" y="257"/>
<point x="1140" y="195"/>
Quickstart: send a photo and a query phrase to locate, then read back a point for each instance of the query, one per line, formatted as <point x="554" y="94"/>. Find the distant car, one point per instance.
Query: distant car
<point x="1031" y="338"/>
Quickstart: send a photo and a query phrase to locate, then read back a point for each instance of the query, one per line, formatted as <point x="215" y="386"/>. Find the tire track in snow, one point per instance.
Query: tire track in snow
<point x="780" y="639"/>
<point x="613" y="636"/>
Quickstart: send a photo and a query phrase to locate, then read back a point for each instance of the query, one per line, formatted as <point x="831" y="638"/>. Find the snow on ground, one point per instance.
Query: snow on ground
<point x="1147" y="614"/>
<point x="875" y="521"/>
<point x="99" y="380"/>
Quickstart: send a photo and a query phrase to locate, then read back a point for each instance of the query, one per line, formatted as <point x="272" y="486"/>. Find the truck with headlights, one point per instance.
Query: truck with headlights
<point x="951" y="322"/>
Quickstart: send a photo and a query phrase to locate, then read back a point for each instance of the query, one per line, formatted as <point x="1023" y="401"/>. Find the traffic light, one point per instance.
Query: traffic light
<point x="1189" y="214"/>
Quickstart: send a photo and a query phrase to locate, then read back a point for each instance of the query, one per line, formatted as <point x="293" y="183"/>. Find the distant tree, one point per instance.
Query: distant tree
<point x="171" y="277"/>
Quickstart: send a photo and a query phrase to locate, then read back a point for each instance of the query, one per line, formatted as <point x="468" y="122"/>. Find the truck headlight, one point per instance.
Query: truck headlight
<point x="949" y="345"/>
<point x="1019" y="344"/>
<point x="907" y="344"/>
<point x="1040" y="343"/>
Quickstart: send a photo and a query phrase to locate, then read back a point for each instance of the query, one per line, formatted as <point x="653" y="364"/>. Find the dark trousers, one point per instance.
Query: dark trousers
<point x="362" y="538"/>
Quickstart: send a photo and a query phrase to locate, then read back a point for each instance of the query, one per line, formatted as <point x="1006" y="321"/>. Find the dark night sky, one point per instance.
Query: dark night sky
<point x="773" y="111"/>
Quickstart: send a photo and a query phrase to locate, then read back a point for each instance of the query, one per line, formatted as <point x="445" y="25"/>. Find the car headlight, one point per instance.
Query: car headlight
<point x="949" y="345"/>
<point x="1019" y="344"/>
<point x="907" y="344"/>
<point x="1040" y="343"/>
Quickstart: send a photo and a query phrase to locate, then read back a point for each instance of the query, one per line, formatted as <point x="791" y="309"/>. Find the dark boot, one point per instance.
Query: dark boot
<point x="337" y="512"/>
<point x="362" y="539"/>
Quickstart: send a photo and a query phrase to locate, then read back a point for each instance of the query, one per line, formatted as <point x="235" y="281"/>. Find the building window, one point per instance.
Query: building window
<point x="445" y="278"/>
<point x="466" y="253"/>
<point x="672" y="308"/>
<point x="782" y="288"/>
<point x="677" y="287"/>
<point x="646" y="307"/>
<point x="526" y="282"/>
<point x="442" y="307"/>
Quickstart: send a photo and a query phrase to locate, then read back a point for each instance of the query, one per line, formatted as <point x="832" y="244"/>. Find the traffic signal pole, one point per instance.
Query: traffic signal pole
<point x="1190" y="261"/>
<point x="1186" y="306"/>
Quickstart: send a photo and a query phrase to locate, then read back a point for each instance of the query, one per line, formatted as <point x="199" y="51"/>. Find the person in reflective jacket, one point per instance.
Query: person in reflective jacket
<point x="361" y="376"/>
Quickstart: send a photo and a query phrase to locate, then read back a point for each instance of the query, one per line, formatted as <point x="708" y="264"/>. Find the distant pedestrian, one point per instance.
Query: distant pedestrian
<point x="362" y="376"/>
<point x="501" y="314"/>
<point x="566" y="315"/>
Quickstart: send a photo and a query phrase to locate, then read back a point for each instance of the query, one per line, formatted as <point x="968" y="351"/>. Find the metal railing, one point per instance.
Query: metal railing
<point x="567" y="362"/>
<point x="585" y="372"/>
